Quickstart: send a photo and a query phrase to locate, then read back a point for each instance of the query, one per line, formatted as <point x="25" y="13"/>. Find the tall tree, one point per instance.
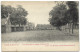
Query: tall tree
<point x="6" y="10"/>
<point x="18" y="16"/>
<point x="72" y="13"/>
<point x="57" y="15"/>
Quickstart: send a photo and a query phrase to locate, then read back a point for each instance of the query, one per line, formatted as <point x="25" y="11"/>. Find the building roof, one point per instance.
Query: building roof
<point x="44" y="25"/>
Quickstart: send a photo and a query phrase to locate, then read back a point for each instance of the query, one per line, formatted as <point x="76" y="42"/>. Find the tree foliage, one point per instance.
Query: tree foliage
<point x="72" y="12"/>
<point x="5" y="10"/>
<point x="64" y="13"/>
<point x="57" y="15"/>
<point x="17" y="15"/>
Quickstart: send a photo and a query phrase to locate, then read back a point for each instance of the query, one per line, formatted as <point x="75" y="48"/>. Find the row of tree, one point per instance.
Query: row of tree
<point x="64" y="13"/>
<point x="16" y="15"/>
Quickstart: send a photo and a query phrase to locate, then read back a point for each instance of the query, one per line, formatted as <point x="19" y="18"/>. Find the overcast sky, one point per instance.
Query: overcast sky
<point x="38" y="11"/>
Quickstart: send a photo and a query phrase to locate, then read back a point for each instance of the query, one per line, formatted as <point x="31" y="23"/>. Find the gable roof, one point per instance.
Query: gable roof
<point x="3" y="21"/>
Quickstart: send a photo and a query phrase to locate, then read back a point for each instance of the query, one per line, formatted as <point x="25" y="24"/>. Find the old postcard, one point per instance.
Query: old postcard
<point x="40" y="26"/>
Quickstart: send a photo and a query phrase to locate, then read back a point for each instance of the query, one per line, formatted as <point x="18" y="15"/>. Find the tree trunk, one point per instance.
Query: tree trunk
<point x="69" y="27"/>
<point x="15" y="28"/>
<point x="72" y="28"/>
<point x="19" y="27"/>
<point x="59" y="28"/>
<point x="69" y="30"/>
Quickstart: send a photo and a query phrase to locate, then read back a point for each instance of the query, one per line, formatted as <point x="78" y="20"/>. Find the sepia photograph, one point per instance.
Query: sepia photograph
<point x="54" y="22"/>
<point x="43" y="51"/>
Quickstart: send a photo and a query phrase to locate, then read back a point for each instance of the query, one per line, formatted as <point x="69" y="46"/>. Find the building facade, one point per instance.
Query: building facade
<point x="44" y="27"/>
<point x="7" y="27"/>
